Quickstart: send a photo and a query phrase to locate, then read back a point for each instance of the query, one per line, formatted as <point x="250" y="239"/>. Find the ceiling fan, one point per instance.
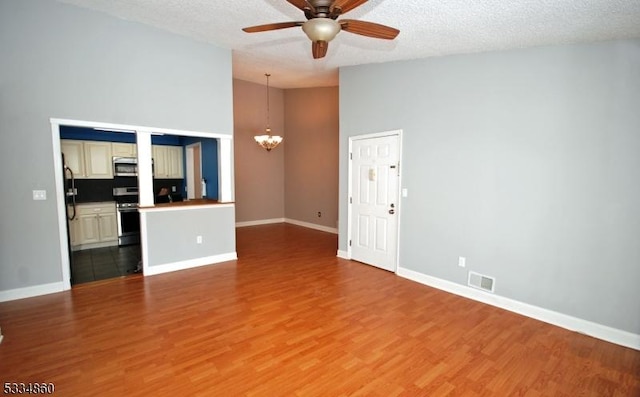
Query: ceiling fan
<point x="321" y="25"/>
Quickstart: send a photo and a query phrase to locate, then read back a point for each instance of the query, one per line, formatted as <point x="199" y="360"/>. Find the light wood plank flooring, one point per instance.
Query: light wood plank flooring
<point x="290" y="319"/>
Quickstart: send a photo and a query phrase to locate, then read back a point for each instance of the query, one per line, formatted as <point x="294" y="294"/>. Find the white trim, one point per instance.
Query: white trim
<point x="606" y="333"/>
<point x="309" y="225"/>
<point x="144" y="242"/>
<point x="343" y="254"/>
<point x="260" y="222"/>
<point x="383" y="134"/>
<point x="156" y="130"/>
<point x="188" y="264"/>
<point x="145" y="169"/>
<point x="28" y="292"/>
<point x="65" y="261"/>
<point x="225" y="167"/>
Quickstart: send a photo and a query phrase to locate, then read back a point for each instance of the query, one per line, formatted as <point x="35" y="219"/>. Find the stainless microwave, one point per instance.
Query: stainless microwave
<point x="126" y="166"/>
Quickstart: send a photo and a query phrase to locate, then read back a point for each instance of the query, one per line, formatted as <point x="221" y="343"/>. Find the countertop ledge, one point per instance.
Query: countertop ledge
<point x="193" y="203"/>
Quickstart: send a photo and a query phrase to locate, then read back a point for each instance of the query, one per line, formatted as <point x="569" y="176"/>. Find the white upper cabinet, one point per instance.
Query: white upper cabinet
<point x="97" y="159"/>
<point x="88" y="159"/>
<point x="120" y="149"/>
<point x="167" y="162"/>
<point x="73" y="152"/>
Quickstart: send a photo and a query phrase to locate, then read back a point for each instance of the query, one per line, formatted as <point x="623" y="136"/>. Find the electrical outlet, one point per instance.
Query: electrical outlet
<point x="319" y="214"/>
<point x="199" y="239"/>
<point x="462" y="261"/>
<point x="173" y="189"/>
<point x="39" y="194"/>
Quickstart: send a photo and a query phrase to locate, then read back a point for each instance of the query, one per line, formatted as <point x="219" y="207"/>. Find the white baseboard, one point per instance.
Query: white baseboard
<point x="309" y="225"/>
<point x="188" y="264"/>
<point x="343" y="254"/>
<point x="595" y="330"/>
<point x="28" y="292"/>
<point x="288" y="220"/>
<point x="260" y="222"/>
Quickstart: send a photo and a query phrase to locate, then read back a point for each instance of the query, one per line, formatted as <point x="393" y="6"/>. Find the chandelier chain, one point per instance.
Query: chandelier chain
<point x="268" y="111"/>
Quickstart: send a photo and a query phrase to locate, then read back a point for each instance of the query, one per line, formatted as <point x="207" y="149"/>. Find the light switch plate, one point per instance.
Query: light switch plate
<point x="39" y="194"/>
<point x="405" y="192"/>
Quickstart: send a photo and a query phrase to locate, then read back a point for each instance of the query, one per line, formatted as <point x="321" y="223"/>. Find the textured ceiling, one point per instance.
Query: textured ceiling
<point x="427" y="28"/>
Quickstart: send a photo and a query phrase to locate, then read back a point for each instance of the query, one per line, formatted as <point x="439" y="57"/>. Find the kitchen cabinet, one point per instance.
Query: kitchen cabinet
<point x="95" y="226"/>
<point x="73" y="156"/>
<point x="120" y="149"/>
<point x="88" y="159"/>
<point x="97" y="160"/>
<point x="167" y="162"/>
<point x="74" y="229"/>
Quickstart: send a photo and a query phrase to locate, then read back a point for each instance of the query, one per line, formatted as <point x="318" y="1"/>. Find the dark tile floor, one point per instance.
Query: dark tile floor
<point x="103" y="263"/>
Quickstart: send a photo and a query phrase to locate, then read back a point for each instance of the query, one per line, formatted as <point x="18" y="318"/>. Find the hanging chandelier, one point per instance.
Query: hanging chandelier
<point x="267" y="140"/>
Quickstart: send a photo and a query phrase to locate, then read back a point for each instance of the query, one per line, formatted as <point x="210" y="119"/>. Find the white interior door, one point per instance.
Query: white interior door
<point x="374" y="201"/>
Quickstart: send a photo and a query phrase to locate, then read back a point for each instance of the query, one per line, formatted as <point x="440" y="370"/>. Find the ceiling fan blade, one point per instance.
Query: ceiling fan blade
<point x="369" y="29"/>
<point x="319" y="49"/>
<point x="272" y="26"/>
<point x="301" y="4"/>
<point x="345" y="6"/>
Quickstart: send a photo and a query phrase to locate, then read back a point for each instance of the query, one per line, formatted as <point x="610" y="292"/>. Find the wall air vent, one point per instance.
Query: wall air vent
<point x="485" y="283"/>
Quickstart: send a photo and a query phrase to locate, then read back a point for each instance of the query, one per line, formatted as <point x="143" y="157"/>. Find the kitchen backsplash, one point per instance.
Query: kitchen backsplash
<point x="95" y="190"/>
<point x="169" y="184"/>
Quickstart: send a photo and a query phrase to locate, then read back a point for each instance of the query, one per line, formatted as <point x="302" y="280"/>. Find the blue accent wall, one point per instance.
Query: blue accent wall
<point x="209" y="158"/>
<point x="89" y="134"/>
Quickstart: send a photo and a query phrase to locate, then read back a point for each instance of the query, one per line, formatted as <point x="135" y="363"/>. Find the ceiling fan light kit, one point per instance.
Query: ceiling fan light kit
<point x="321" y="29"/>
<point x="321" y="26"/>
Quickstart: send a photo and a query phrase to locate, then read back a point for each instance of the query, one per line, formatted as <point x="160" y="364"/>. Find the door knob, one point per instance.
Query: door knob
<point x="392" y="211"/>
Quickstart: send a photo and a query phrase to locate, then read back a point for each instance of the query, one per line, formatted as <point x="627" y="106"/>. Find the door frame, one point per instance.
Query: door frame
<point x="398" y="134"/>
<point x="225" y="176"/>
<point x="190" y="168"/>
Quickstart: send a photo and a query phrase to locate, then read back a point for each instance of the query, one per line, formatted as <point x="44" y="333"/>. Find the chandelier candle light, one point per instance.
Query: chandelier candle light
<point x="268" y="141"/>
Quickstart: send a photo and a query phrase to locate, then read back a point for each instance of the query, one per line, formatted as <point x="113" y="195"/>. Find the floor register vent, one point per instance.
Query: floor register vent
<point x="481" y="281"/>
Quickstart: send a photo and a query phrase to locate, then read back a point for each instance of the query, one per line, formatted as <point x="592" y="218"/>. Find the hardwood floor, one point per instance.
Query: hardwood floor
<point x="290" y="319"/>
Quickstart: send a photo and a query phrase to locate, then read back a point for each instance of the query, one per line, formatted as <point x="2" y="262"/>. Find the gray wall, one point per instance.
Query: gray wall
<point x="170" y="229"/>
<point x="66" y="62"/>
<point x="525" y="162"/>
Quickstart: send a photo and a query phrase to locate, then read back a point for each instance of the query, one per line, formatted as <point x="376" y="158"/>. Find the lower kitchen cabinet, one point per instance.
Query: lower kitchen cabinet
<point x="95" y="226"/>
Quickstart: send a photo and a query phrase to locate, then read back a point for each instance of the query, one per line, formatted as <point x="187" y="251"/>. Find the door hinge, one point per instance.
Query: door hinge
<point x="350" y="156"/>
<point x="350" y="200"/>
<point x="349" y="243"/>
